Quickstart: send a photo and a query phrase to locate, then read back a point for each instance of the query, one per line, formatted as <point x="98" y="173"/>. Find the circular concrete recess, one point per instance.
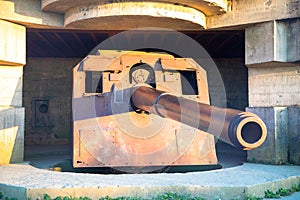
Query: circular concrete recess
<point x="128" y="15"/>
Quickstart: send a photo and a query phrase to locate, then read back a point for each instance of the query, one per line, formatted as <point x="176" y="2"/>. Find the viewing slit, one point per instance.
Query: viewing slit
<point x="189" y="82"/>
<point x="93" y="82"/>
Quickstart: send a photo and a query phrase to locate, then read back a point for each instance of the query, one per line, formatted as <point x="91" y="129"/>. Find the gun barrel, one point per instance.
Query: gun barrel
<point x="243" y="130"/>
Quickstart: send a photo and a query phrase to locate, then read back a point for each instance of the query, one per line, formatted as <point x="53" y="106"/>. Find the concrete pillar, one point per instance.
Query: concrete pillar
<point x="274" y="43"/>
<point x="12" y="60"/>
<point x="272" y="55"/>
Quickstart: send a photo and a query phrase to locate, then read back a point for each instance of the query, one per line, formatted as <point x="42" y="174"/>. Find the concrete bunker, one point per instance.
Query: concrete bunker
<point x="51" y="55"/>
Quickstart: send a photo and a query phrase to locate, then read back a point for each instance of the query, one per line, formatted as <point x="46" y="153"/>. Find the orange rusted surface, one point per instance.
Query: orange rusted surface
<point x="114" y="125"/>
<point x="108" y="132"/>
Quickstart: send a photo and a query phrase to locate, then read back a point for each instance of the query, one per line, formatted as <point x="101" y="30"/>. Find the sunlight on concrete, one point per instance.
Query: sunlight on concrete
<point x="7" y="141"/>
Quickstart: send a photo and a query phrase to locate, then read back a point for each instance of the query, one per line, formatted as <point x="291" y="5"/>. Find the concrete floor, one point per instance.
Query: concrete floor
<point x="234" y="181"/>
<point x="47" y="156"/>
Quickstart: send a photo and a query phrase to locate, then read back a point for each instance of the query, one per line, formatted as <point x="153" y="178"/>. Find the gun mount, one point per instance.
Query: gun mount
<point x="151" y="109"/>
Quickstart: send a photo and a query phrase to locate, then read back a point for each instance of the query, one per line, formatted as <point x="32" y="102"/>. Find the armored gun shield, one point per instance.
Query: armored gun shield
<point x="136" y="109"/>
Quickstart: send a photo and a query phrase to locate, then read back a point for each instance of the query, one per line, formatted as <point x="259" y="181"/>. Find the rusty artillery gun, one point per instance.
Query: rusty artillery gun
<point x="136" y="109"/>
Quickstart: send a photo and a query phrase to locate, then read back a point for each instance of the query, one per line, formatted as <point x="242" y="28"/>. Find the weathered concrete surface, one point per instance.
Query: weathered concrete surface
<point x="294" y="134"/>
<point x="282" y="143"/>
<point x="274" y="93"/>
<point x="128" y="15"/>
<point x="13" y="43"/>
<point x="29" y="13"/>
<point x="11" y="115"/>
<point x="236" y="87"/>
<point x="292" y="29"/>
<point x="272" y="43"/>
<point x="48" y="81"/>
<point x="274" y="86"/>
<point x="23" y="181"/>
<point x="242" y="12"/>
<point x="275" y="148"/>
<point x="220" y="13"/>
<point x="11" y="134"/>
<point x="12" y="59"/>
<point x="123" y="15"/>
<point x="11" y="82"/>
<point x="208" y="7"/>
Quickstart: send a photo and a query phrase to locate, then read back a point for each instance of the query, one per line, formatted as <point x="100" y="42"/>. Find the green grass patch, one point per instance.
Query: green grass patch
<point x="2" y="197"/>
<point x="254" y="198"/>
<point x="47" y="197"/>
<point x="166" y="196"/>
<point x="282" y="192"/>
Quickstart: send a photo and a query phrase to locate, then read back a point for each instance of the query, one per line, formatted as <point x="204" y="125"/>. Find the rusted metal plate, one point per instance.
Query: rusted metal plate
<point x="108" y="132"/>
<point x="178" y="64"/>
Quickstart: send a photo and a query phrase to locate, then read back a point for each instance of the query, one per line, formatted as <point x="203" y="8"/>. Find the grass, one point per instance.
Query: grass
<point x="47" y="197"/>
<point x="282" y="192"/>
<point x="166" y="196"/>
<point x="2" y="197"/>
<point x="254" y="198"/>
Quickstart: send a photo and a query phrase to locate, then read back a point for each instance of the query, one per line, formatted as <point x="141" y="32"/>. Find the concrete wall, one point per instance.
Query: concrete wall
<point x="274" y="88"/>
<point x="283" y="139"/>
<point x="12" y="58"/>
<point x="294" y="135"/>
<point x="274" y="94"/>
<point x="12" y="45"/>
<point x="11" y="134"/>
<point x="11" y="115"/>
<point x="274" y="42"/>
<point x="235" y="78"/>
<point x="48" y="82"/>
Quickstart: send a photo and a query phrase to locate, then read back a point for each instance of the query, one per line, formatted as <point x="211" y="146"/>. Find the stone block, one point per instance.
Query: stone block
<point x="13" y="44"/>
<point x="11" y="134"/>
<point x="275" y="148"/>
<point x="294" y="134"/>
<point x="292" y="40"/>
<point x="11" y="83"/>
<point x="259" y="45"/>
<point x="274" y="86"/>
<point x="272" y="43"/>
